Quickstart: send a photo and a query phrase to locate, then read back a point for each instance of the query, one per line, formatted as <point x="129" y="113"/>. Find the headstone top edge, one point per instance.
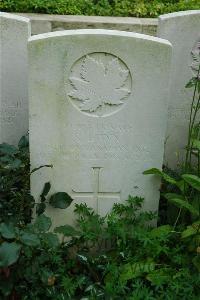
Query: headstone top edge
<point x="14" y="17"/>
<point x="178" y="14"/>
<point x="98" y="32"/>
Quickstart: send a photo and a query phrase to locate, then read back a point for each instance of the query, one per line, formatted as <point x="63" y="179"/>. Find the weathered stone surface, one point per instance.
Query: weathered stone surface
<point x="182" y="29"/>
<point x="42" y="23"/>
<point x="40" y="26"/>
<point x="14" y="34"/>
<point x="98" y="111"/>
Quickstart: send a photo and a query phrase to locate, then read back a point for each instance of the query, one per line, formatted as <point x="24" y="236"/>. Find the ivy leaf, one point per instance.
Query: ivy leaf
<point x="7" y="231"/>
<point x="42" y="223"/>
<point x="66" y="230"/>
<point x="192" y="180"/>
<point x="60" y="200"/>
<point x="9" y="253"/>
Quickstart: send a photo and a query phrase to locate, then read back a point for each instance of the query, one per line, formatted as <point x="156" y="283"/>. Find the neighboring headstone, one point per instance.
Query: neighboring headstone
<point x="182" y="29"/>
<point x="14" y="34"/>
<point x="98" y="112"/>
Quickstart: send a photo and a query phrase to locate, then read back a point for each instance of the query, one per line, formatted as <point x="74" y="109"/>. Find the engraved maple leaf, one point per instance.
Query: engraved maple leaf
<point x="99" y="84"/>
<point x="196" y="57"/>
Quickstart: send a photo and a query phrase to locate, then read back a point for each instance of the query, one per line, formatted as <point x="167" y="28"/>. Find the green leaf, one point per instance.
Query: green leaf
<point x="9" y="253"/>
<point x="23" y="142"/>
<point x="45" y="191"/>
<point x="60" y="200"/>
<point x="196" y="144"/>
<point x="66" y="230"/>
<point x="15" y="164"/>
<point x="50" y="239"/>
<point x="159" y="277"/>
<point x="8" y="149"/>
<point x="7" y="231"/>
<point x="161" y="231"/>
<point x="166" y="177"/>
<point x="192" y="180"/>
<point x="42" y="223"/>
<point x="40" y="208"/>
<point x="191" y="83"/>
<point x="170" y="196"/>
<point x="182" y="204"/>
<point x="196" y="262"/>
<point x="191" y="230"/>
<point x="130" y="271"/>
<point x="30" y="239"/>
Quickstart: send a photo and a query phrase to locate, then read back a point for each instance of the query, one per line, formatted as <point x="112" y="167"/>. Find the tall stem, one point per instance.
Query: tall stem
<point x="191" y="124"/>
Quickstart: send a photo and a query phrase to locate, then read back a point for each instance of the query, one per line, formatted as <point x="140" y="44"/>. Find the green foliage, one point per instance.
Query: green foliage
<point x="16" y="203"/>
<point x="135" y="8"/>
<point x="120" y="256"/>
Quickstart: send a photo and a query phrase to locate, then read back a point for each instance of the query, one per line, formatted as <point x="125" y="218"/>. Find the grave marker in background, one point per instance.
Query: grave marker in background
<point x="14" y="34"/>
<point x="182" y="29"/>
<point x="98" y="112"/>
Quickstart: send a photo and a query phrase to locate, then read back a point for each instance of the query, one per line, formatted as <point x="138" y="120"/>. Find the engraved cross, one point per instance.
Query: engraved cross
<point x="96" y="194"/>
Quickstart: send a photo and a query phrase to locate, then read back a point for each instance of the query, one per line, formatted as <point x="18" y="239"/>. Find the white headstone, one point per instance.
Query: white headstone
<point x="14" y="34"/>
<point x="182" y="29"/>
<point x="98" y="111"/>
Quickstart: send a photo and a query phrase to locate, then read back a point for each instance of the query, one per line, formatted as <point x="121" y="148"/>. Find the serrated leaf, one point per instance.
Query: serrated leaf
<point x="159" y="277"/>
<point x="66" y="230"/>
<point x="161" y="231"/>
<point x="92" y="87"/>
<point x="9" y="253"/>
<point x="30" y="239"/>
<point x="134" y="270"/>
<point x="7" y="231"/>
<point x="192" y="180"/>
<point x="60" y="200"/>
<point x="42" y="223"/>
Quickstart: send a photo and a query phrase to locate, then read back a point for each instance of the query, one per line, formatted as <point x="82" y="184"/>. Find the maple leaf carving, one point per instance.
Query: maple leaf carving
<point x="196" y="57"/>
<point x="99" y="84"/>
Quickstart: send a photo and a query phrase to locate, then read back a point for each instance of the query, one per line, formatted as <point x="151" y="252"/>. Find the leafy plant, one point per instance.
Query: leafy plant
<point x="133" y="8"/>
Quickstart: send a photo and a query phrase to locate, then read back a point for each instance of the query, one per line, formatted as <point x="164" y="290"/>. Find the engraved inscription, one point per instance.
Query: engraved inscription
<point x="195" y="54"/>
<point x="100" y="84"/>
